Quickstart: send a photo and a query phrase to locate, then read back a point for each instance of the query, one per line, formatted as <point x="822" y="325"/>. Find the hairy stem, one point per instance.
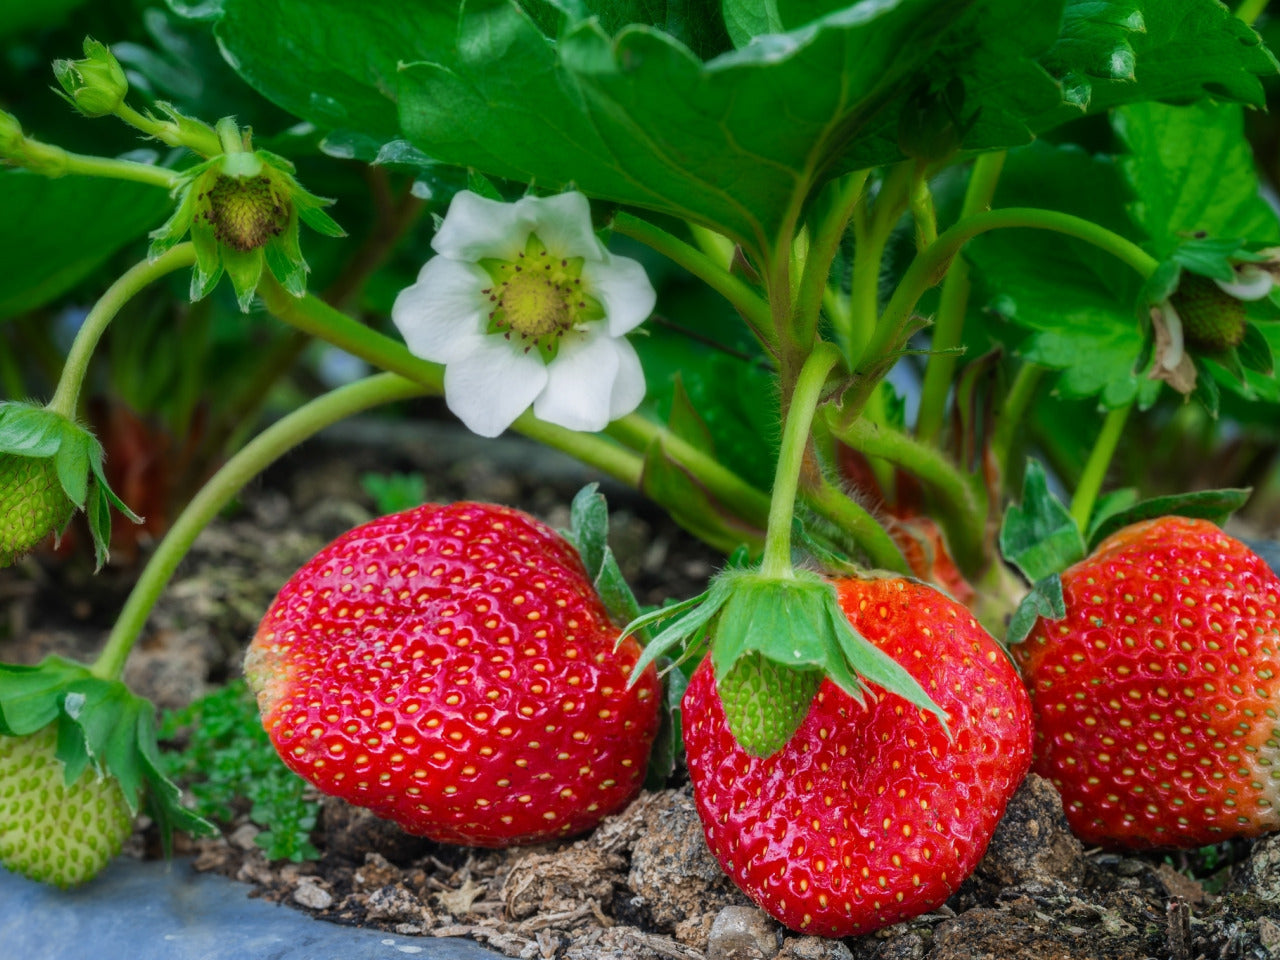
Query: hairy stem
<point x="795" y="440"/>
<point x="1009" y="419"/>
<point x="954" y="302"/>
<point x="1095" y="468"/>
<point x="263" y="450"/>
<point x="141" y="275"/>
<point x="823" y="248"/>
<point x="51" y="161"/>
<point x="196" y="137"/>
<point x="852" y="518"/>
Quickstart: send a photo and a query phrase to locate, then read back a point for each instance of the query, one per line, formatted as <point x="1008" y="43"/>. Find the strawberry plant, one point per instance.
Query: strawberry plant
<point x="951" y="326"/>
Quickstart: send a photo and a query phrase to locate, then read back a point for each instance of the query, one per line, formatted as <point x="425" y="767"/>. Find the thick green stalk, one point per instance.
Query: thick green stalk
<point x="196" y="137"/>
<point x="1009" y="419"/>
<point x="795" y="440"/>
<point x="854" y="519"/>
<point x="67" y="396"/>
<point x="929" y="267"/>
<point x="868" y="255"/>
<point x="823" y="248"/>
<point x="953" y="303"/>
<point x="263" y="450"/>
<point x="1095" y="468"/>
<point x="51" y="161"/>
<point x="743" y="299"/>
<point x="1250" y="10"/>
<point x="312" y="315"/>
<point x="962" y="512"/>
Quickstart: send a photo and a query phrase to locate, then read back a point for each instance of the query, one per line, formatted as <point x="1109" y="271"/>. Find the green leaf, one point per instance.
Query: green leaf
<point x="745" y="19"/>
<point x="1081" y="312"/>
<point x="1044" y="600"/>
<point x="56" y="232"/>
<point x="1255" y="351"/>
<point x="1214" y="505"/>
<point x="589" y="533"/>
<point x="668" y="744"/>
<point x="1038" y="535"/>
<point x="1182" y="191"/>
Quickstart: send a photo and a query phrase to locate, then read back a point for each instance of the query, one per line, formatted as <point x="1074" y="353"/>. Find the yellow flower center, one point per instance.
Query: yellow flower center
<point x="538" y="297"/>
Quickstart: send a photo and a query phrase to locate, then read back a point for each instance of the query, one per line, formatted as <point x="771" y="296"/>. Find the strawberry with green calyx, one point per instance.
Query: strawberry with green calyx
<point x="1154" y="691"/>
<point x="871" y="812"/>
<point x="775" y="633"/>
<point x="452" y="668"/>
<point x="49" y="467"/>
<point x="242" y="210"/>
<point x="78" y="756"/>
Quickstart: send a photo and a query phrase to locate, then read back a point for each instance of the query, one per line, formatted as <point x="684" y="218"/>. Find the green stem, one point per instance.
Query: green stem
<point x="929" y="267"/>
<point x="1009" y="419"/>
<point x="312" y="315"/>
<point x="868" y="256"/>
<point x="795" y="440"/>
<point x="853" y="519"/>
<point x="51" y="161"/>
<point x="962" y="513"/>
<point x="745" y="300"/>
<point x="67" y="396"/>
<point x="738" y="496"/>
<point x="952" y="306"/>
<point x="1250" y="10"/>
<point x="1095" y="468"/>
<point x="823" y="248"/>
<point x="196" y="137"/>
<point x="922" y="210"/>
<point x="261" y="452"/>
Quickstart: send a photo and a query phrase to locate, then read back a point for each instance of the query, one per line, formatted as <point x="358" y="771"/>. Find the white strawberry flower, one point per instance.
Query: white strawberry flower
<point x="525" y="306"/>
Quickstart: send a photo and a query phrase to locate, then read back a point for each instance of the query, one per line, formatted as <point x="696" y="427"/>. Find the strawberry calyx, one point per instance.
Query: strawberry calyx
<point x="1040" y="537"/>
<point x="101" y="727"/>
<point x="50" y="467"/>
<point x="772" y="640"/>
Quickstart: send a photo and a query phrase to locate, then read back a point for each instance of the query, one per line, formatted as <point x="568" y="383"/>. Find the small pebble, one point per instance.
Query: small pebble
<point x="310" y="894"/>
<point x="742" y="933"/>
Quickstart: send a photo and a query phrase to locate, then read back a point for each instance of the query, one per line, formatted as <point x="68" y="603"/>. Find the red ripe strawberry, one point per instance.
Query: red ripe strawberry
<point x="868" y="815"/>
<point x="1156" y="697"/>
<point x="452" y="669"/>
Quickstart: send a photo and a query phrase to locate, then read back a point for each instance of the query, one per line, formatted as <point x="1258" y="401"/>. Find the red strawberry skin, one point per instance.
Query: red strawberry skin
<point x="1156" y="697"/>
<point x="452" y="669"/>
<point x="868" y="815"/>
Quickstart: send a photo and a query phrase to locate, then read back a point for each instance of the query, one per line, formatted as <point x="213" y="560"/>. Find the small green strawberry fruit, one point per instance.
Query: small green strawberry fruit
<point x="1212" y="320"/>
<point x="49" y="831"/>
<point x="32" y="504"/>
<point x="765" y="701"/>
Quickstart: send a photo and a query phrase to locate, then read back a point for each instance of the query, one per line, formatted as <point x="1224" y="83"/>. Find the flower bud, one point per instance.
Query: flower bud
<point x="11" y="136"/>
<point x="96" y="85"/>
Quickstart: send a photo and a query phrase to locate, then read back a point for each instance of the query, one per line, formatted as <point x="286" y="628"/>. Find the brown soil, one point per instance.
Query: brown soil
<point x="643" y="885"/>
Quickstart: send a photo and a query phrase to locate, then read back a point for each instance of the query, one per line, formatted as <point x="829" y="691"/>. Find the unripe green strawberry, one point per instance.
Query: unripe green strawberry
<point x="32" y="504"/>
<point x="51" y="832"/>
<point x="764" y="702"/>
<point x="1212" y="320"/>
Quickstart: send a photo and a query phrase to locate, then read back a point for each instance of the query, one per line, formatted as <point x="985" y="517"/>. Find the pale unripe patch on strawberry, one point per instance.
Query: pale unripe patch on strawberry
<point x="51" y="832"/>
<point x="452" y="669"/>
<point x="1157" y="696"/>
<point x="32" y="504"/>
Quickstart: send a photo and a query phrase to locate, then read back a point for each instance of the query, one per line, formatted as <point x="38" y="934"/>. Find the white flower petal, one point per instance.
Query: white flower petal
<point x="1166" y="319"/>
<point x="443" y="315"/>
<point x="628" y="388"/>
<point x="563" y="224"/>
<point x="493" y="385"/>
<point x="476" y="227"/>
<point x="623" y="289"/>
<point x="1251" y="283"/>
<point x="580" y="380"/>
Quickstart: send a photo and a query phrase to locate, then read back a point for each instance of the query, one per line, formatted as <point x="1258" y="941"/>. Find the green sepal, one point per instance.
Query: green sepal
<point x="208" y="268"/>
<point x="668" y="744"/>
<point x="1206" y="390"/>
<point x="244" y="267"/>
<point x="102" y="724"/>
<point x="1212" y="257"/>
<point x="284" y="258"/>
<point x="1038" y="536"/>
<point x="692" y="619"/>
<point x="1254" y="351"/>
<point x="319" y="221"/>
<point x="589" y="534"/>
<point x="30" y="430"/>
<point x="1213" y="505"/>
<point x="1044" y="600"/>
<point x="1160" y="285"/>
